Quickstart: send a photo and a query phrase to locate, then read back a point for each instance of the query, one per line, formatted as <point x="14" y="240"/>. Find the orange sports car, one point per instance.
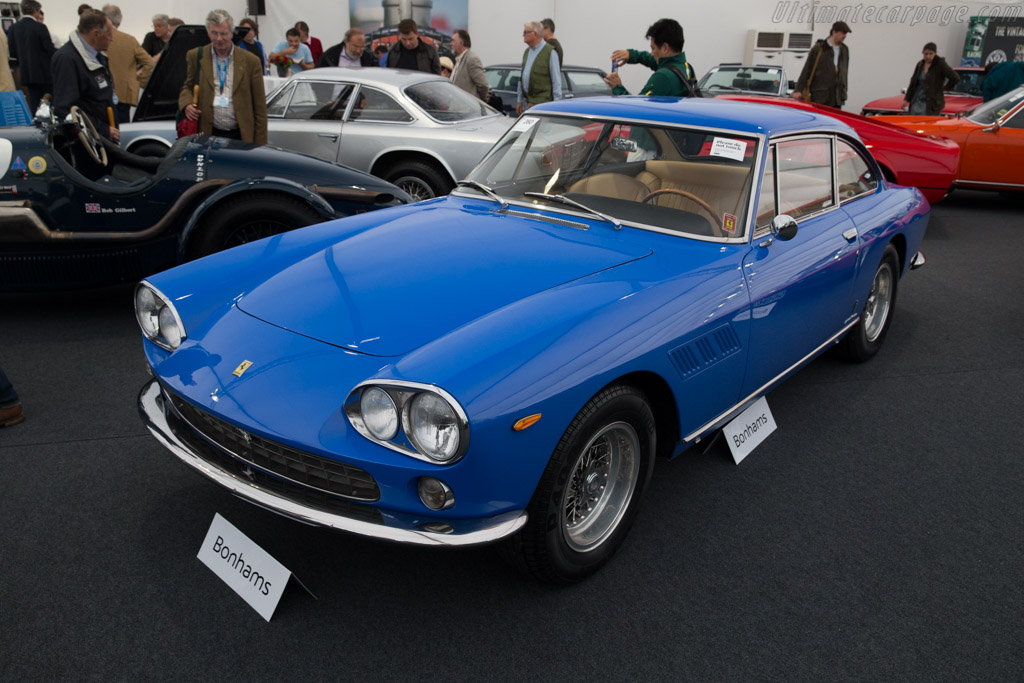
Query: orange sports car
<point x="991" y="139"/>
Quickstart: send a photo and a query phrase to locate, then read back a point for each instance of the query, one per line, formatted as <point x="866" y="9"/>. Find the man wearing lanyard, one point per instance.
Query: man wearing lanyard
<point x="232" y="100"/>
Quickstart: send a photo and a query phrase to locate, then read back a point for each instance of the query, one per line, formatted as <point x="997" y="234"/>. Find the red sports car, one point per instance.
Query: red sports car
<point x="927" y="163"/>
<point x="965" y="95"/>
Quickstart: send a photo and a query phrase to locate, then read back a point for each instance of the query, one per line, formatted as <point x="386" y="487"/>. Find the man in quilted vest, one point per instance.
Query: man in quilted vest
<point x="541" y="77"/>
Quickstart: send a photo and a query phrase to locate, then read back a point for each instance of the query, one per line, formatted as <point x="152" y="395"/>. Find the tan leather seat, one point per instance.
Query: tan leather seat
<point x="614" y="185"/>
<point x="719" y="186"/>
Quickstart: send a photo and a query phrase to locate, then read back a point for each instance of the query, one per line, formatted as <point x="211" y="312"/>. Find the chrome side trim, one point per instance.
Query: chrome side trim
<point x="466" y="532"/>
<point x="985" y="183"/>
<point x="739" y="407"/>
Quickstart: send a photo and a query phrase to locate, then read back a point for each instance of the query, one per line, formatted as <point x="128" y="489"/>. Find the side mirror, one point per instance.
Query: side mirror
<point x="783" y="228"/>
<point x="994" y="128"/>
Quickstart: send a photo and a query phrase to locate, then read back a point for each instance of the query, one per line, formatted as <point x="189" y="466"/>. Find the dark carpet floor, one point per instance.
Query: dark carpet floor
<point x="877" y="535"/>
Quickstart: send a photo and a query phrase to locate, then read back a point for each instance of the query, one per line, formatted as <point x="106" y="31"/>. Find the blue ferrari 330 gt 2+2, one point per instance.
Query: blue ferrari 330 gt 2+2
<point x="615" y="281"/>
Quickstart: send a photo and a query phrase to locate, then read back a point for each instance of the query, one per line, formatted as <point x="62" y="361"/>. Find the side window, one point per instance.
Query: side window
<point x="494" y="78"/>
<point x="373" y="105"/>
<point x="317" y="100"/>
<point x="1017" y="121"/>
<point x="805" y="176"/>
<point x="279" y="104"/>
<point x="766" y="200"/>
<point x="854" y="172"/>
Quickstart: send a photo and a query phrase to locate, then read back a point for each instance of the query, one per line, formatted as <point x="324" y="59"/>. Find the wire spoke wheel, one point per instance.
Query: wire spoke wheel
<point x="417" y="188"/>
<point x="256" y="230"/>
<point x="876" y="309"/>
<point x="600" y="486"/>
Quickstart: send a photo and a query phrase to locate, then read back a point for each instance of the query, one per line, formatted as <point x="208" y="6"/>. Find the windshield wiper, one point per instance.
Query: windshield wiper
<point x="722" y="87"/>
<point x="562" y="199"/>
<point x="486" y="190"/>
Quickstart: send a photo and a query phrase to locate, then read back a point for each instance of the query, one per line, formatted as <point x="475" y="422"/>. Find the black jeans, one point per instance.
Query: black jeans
<point x="233" y="134"/>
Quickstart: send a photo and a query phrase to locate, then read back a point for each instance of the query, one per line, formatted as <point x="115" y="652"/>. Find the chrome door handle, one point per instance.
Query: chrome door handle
<point x="332" y="136"/>
<point x="851" y="235"/>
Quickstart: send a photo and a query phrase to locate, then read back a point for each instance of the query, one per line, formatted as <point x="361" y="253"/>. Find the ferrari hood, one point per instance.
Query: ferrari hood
<point x="410" y="280"/>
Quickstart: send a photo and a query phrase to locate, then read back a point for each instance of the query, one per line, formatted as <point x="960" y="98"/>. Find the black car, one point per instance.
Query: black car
<point x="577" y="81"/>
<point x="80" y="211"/>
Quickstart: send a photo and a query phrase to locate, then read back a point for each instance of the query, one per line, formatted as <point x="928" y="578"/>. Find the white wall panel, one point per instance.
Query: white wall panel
<point x="882" y="53"/>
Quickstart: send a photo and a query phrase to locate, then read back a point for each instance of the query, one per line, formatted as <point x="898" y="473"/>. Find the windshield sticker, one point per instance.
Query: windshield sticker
<point x="524" y="124"/>
<point x="729" y="223"/>
<point x="37" y="165"/>
<point x="730" y="149"/>
<point x="773" y="71"/>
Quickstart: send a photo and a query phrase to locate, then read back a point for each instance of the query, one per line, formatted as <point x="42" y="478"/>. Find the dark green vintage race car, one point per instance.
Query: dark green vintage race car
<point x="76" y="210"/>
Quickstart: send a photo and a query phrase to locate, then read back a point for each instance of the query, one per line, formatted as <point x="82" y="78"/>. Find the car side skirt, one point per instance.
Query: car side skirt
<point x="719" y="421"/>
<point x="461" y="532"/>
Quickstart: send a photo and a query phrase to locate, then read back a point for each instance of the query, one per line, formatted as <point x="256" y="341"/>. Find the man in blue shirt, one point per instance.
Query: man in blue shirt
<point x="541" y="76"/>
<point x="293" y="49"/>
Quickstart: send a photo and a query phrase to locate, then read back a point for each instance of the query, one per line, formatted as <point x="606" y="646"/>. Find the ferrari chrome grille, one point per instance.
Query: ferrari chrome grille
<point x="298" y="467"/>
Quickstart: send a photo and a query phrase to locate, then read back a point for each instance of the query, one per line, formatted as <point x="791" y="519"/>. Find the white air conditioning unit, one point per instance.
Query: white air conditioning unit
<point x="788" y="51"/>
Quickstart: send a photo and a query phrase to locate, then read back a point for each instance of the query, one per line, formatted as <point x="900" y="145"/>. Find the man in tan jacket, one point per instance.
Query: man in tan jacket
<point x="6" y="78"/>
<point x="232" y="101"/>
<point x="130" y="66"/>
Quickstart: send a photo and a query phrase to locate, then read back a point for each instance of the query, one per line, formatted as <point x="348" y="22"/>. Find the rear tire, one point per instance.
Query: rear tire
<point x="420" y="179"/>
<point x="588" y="495"/>
<point x="246" y="218"/>
<point x="865" y="338"/>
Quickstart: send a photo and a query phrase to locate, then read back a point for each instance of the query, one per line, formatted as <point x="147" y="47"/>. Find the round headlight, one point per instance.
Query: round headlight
<point x="379" y="413"/>
<point x="147" y="310"/>
<point x="169" y="327"/>
<point x="433" y="427"/>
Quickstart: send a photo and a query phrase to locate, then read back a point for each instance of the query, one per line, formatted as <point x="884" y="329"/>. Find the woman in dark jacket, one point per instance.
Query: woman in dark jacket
<point x="932" y="76"/>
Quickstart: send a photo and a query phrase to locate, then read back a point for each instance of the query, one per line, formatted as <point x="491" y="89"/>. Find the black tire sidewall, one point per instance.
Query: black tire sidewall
<point x="234" y="212"/>
<point x="617" y="404"/>
<point x="430" y="176"/>
<point x="856" y="345"/>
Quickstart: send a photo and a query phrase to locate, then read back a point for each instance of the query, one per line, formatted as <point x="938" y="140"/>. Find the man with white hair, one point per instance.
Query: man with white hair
<point x="156" y="40"/>
<point x="232" y="101"/>
<point x="541" y="77"/>
<point x="129" y="64"/>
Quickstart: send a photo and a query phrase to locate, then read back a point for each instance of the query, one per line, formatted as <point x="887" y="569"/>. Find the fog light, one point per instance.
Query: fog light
<point x="435" y="494"/>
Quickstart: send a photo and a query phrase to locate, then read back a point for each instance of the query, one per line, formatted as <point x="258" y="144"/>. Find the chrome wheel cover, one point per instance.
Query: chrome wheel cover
<point x="600" y="487"/>
<point x="417" y="188"/>
<point x="876" y="310"/>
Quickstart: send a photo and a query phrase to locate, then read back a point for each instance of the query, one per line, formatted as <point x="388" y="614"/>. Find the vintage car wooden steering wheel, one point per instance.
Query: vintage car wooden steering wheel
<point x="88" y="135"/>
<point x="689" y="195"/>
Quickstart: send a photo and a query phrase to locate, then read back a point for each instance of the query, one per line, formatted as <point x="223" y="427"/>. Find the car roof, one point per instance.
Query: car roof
<point x="736" y="65"/>
<point x="565" y="67"/>
<point x="398" y="78"/>
<point x="746" y="117"/>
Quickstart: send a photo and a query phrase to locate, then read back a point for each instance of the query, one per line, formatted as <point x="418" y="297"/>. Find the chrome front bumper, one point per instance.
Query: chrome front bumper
<point x="394" y="526"/>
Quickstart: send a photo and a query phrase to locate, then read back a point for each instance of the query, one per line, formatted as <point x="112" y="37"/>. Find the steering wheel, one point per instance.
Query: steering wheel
<point x="689" y="195"/>
<point x="88" y="136"/>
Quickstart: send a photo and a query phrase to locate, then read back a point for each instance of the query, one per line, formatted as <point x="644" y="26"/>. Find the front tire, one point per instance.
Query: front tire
<point x="588" y="495"/>
<point x="244" y="218"/>
<point x="865" y="338"/>
<point x="420" y="179"/>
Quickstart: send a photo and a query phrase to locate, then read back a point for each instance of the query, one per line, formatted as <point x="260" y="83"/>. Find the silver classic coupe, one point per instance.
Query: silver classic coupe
<point x="414" y="129"/>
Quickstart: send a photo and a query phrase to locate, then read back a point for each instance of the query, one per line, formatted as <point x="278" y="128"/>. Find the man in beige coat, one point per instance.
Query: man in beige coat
<point x="469" y="72"/>
<point x="6" y="79"/>
<point x="232" y="100"/>
<point x="129" y="64"/>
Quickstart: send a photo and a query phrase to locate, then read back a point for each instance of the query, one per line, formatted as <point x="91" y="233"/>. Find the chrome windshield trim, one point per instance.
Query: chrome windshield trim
<point x="463" y="533"/>
<point x="738" y="408"/>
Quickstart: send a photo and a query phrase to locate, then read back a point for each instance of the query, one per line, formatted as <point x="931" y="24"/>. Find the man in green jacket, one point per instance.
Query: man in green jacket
<point x="665" y="58"/>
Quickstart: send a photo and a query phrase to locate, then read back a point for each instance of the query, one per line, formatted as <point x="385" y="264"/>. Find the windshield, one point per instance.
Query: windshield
<point x="969" y="83"/>
<point x="743" y="79"/>
<point x="685" y="180"/>
<point x="443" y="101"/>
<point x="990" y="112"/>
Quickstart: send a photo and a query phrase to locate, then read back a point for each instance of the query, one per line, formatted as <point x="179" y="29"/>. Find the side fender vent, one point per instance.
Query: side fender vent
<point x="701" y="353"/>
